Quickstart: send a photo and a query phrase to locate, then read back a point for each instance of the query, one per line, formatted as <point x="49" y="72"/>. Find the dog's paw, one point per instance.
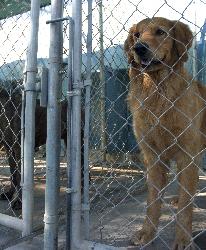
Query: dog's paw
<point x="142" y="237"/>
<point x="181" y="245"/>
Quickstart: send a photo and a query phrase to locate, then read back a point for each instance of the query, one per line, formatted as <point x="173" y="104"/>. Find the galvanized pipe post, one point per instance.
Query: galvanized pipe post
<point x="76" y="128"/>
<point x="29" y="139"/>
<point x="87" y="84"/>
<point x="53" y="129"/>
<point x="69" y="124"/>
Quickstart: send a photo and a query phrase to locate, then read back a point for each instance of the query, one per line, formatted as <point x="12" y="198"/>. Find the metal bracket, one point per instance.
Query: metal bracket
<point x="70" y="190"/>
<point x="50" y="219"/>
<point x="75" y="92"/>
<point x="31" y="69"/>
<point x="41" y="87"/>
<point x="58" y="20"/>
<point x="31" y="87"/>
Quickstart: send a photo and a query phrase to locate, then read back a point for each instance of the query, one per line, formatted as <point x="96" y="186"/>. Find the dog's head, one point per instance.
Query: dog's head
<point x="155" y="43"/>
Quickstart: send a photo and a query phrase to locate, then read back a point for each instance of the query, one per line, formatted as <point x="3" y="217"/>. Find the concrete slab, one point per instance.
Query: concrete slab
<point x="35" y="244"/>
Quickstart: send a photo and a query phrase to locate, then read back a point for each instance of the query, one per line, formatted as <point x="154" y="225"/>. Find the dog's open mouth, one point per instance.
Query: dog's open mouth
<point x="149" y="62"/>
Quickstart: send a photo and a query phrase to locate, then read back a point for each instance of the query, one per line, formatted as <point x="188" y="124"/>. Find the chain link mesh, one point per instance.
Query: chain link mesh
<point x="14" y="33"/>
<point x="14" y="37"/>
<point x="118" y="190"/>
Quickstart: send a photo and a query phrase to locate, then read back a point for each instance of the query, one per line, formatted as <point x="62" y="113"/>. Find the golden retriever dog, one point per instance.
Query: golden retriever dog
<point x="168" y="110"/>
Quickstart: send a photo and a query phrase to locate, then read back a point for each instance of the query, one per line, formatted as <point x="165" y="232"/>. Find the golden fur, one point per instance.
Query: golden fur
<point x="168" y="109"/>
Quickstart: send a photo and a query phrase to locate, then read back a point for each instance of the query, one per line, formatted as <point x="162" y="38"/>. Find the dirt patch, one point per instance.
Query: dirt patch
<point x="114" y="223"/>
<point x="118" y="200"/>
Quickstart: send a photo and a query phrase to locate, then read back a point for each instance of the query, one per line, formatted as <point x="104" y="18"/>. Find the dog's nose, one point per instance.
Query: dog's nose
<point x="141" y="49"/>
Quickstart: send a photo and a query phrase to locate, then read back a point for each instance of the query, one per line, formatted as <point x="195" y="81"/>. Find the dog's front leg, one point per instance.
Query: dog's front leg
<point x="156" y="180"/>
<point x="188" y="181"/>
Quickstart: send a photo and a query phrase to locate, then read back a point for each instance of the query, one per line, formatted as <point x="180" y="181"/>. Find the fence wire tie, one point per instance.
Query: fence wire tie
<point x="76" y="92"/>
<point x="77" y="89"/>
<point x="70" y="190"/>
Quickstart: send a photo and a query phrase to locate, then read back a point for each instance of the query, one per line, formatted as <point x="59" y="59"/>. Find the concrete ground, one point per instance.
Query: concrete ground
<point x="114" y="217"/>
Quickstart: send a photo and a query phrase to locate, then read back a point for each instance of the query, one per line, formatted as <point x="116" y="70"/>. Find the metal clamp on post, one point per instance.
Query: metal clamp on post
<point x="70" y="190"/>
<point x="31" y="87"/>
<point x="41" y="87"/>
<point x="75" y="92"/>
<point x="30" y="69"/>
<point x="27" y="86"/>
<point x="58" y="20"/>
<point x="50" y="219"/>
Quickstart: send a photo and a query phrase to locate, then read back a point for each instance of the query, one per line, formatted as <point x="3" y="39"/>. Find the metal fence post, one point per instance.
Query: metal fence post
<point x="76" y="128"/>
<point x="53" y="129"/>
<point x="88" y="83"/>
<point x="29" y="139"/>
<point x="69" y="110"/>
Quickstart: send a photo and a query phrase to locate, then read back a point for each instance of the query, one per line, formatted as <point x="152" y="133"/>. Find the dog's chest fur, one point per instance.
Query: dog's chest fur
<point x="157" y="103"/>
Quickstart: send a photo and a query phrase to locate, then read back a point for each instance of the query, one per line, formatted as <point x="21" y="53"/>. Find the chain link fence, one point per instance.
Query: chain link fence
<point x="15" y="25"/>
<point x="118" y="190"/>
<point x="118" y="177"/>
<point x="12" y="57"/>
<point x="13" y="33"/>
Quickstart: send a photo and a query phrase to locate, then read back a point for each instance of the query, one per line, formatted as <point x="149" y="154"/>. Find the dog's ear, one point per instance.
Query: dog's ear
<point x="182" y="40"/>
<point x="128" y="44"/>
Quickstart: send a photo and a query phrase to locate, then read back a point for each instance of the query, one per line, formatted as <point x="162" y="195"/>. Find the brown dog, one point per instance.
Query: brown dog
<point x="168" y="109"/>
<point x="10" y="132"/>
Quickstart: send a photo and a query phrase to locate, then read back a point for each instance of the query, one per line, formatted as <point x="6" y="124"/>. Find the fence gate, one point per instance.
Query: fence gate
<point x="31" y="101"/>
<point x="17" y="119"/>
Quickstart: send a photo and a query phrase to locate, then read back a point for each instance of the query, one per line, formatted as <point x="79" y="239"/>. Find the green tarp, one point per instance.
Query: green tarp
<point x="14" y="7"/>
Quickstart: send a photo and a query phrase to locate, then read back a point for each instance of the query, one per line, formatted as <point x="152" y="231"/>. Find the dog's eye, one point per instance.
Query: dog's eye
<point x="160" y="32"/>
<point x="137" y="34"/>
